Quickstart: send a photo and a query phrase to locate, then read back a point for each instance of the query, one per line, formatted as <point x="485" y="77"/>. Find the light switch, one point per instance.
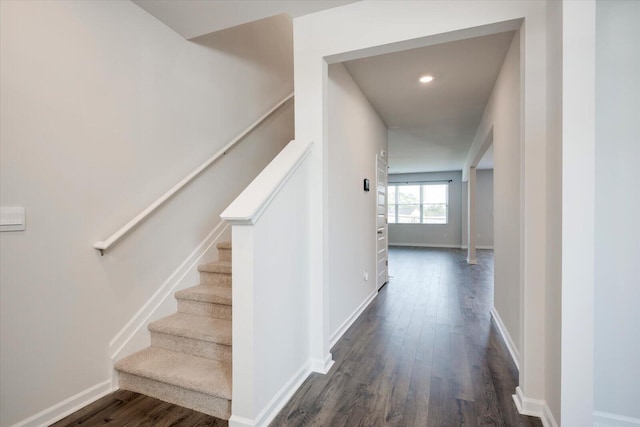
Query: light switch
<point x="12" y="219"/>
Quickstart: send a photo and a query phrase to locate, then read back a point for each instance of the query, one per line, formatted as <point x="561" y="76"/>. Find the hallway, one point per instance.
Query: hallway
<point x="425" y="353"/>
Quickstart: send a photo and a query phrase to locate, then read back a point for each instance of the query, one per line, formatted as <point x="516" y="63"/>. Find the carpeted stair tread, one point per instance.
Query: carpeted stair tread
<point x="224" y="245"/>
<point x="223" y="267"/>
<point x="204" y="293"/>
<point x="195" y="327"/>
<point x="207" y="376"/>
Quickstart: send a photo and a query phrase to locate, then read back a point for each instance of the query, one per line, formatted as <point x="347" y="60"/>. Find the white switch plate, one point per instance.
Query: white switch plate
<point x="12" y="219"/>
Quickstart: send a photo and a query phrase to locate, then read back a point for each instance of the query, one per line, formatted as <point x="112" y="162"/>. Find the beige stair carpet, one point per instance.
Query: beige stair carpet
<point x="216" y="273"/>
<point x="189" y="361"/>
<point x="205" y="300"/>
<point x="195" y="335"/>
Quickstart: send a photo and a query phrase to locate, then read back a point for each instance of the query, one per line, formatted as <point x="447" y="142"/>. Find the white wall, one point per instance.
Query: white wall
<point x="502" y="118"/>
<point x="578" y="213"/>
<point x="553" y="290"/>
<point x="104" y="109"/>
<point x="505" y="107"/>
<point x="356" y="135"/>
<point x="281" y="348"/>
<point x="484" y="209"/>
<point x="617" y="212"/>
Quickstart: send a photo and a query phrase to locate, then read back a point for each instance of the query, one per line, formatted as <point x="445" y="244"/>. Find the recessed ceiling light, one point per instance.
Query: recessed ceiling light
<point x="426" y="79"/>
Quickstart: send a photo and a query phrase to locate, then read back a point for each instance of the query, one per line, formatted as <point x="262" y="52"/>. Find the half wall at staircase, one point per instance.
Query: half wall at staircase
<point x="104" y="108"/>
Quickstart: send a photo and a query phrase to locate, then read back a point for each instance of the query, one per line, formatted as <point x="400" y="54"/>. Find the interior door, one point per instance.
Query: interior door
<point x="382" y="264"/>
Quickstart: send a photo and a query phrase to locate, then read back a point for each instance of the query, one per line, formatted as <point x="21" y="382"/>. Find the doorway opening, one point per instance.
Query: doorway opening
<point x="428" y="136"/>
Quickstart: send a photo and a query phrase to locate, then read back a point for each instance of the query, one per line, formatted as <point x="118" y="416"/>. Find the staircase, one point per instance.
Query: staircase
<point x="189" y="361"/>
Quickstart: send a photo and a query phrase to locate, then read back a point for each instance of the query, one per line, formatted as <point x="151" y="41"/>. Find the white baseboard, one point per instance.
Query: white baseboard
<point x="351" y="319"/>
<point x="236" y="421"/>
<point x="513" y="350"/>
<point x="185" y="275"/>
<point x="425" y="245"/>
<point x="606" y="419"/>
<point x="548" y="420"/>
<point x="534" y="408"/>
<point x="276" y="404"/>
<point x="322" y="366"/>
<point x="430" y="245"/>
<point x="528" y="406"/>
<point x="68" y="406"/>
<point x="478" y="247"/>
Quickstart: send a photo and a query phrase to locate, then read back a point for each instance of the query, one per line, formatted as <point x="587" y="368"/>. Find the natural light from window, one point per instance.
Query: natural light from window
<point x="418" y="203"/>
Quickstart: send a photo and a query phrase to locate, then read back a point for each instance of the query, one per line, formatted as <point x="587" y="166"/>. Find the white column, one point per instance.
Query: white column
<point x="578" y="211"/>
<point x="471" y="217"/>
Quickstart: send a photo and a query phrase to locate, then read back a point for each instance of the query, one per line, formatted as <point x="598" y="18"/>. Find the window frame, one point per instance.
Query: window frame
<point x="421" y="201"/>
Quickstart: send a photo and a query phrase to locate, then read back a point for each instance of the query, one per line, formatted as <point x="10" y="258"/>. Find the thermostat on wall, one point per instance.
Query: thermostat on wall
<point x="12" y="219"/>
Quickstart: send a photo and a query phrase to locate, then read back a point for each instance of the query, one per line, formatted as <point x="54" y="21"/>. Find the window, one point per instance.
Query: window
<point x="418" y="203"/>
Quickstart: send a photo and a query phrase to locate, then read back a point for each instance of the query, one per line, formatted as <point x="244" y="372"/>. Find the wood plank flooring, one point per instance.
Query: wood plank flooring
<point x="126" y="408"/>
<point x="425" y="353"/>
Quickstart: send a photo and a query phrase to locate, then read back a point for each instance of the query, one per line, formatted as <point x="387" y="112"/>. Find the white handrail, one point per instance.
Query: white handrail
<point x="252" y="202"/>
<point x="103" y="245"/>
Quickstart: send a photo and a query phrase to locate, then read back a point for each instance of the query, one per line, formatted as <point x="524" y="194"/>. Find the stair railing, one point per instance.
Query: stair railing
<point x="103" y="245"/>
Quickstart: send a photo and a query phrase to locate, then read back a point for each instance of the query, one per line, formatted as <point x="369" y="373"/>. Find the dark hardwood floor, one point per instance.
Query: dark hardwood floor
<point x="425" y="353"/>
<point x="126" y="408"/>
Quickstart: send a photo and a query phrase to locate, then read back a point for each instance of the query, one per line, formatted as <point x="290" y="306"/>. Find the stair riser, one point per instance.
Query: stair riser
<point x="215" y="279"/>
<point x="210" y="405"/>
<point x="217" y="311"/>
<point x="207" y="349"/>
<point x="224" y="254"/>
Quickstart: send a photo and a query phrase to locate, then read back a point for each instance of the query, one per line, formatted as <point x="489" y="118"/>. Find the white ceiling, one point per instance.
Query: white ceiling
<point x="431" y="126"/>
<point x="193" y="18"/>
